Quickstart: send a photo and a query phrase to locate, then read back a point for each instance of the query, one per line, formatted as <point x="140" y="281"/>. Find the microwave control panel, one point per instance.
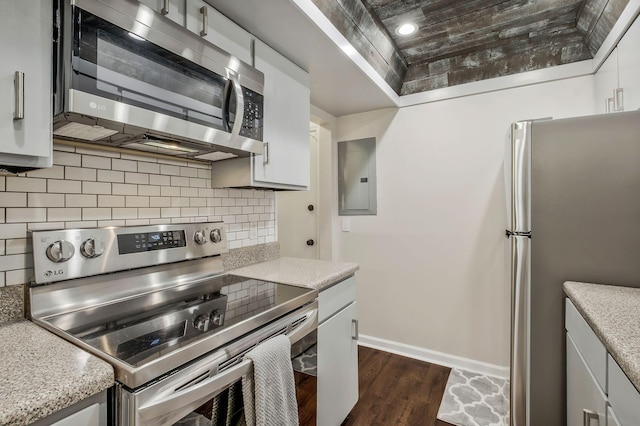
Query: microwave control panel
<point x="253" y="115"/>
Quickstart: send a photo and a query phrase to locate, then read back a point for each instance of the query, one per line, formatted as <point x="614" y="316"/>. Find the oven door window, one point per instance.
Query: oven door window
<point x="115" y="64"/>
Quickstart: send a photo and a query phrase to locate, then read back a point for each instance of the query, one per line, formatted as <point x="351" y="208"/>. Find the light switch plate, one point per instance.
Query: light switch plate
<point x="346" y="224"/>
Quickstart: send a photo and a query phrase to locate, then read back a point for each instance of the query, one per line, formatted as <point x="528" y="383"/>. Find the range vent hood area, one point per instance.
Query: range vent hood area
<point x="87" y="129"/>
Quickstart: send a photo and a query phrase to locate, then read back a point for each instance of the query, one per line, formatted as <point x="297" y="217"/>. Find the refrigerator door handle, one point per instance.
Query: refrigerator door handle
<point x="520" y="279"/>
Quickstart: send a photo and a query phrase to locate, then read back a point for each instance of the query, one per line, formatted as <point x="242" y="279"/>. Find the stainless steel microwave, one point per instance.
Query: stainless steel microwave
<point x="127" y="76"/>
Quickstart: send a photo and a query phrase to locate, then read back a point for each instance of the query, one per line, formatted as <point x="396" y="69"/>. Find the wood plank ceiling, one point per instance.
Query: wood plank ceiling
<point x="461" y="41"/>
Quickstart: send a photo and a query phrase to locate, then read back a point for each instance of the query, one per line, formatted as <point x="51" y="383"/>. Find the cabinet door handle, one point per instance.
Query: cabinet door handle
<point x="618" y="100"/>
<point x="588" y="415"/>
<point x="165" y="7"/>
<point x="265" y="155"/>
<point x="204" y="10"/>
<point x="609" y="105"/>
<point x="355" y="327"/>
<point x="18" y="85"/>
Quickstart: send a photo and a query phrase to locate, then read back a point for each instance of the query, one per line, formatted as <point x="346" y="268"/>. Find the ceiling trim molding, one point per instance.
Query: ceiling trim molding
<point x="629" y="14"/>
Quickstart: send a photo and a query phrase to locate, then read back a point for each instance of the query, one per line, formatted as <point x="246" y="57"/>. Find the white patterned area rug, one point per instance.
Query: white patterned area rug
<point x="472" y="399"/>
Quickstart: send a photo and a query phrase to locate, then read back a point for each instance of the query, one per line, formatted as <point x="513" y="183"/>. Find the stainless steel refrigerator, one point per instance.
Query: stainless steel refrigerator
<point x="573" y="194"/>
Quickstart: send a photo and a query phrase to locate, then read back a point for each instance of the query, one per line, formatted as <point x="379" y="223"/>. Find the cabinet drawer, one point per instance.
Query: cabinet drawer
<point x="623" y="396"/>
<point x="335" y="298"/>
<point x="587" y="343"/>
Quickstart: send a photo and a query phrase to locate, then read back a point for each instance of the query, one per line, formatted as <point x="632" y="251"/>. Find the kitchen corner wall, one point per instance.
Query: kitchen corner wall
<point x="433" y="261"/>
<point x="89" y="187"/>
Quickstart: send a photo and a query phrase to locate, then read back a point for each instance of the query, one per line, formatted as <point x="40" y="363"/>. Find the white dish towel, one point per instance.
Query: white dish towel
<point x="270" y="392"/>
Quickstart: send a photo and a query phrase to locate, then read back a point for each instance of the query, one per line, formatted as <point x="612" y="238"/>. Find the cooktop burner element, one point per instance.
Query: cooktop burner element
<point x="137" y="303"/>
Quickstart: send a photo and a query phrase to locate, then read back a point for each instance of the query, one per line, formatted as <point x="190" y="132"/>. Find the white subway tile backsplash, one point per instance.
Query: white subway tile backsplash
<point x="45" y="226"/>
<point x="58" y="186"/>
<point x="110" y="176"/>
<point x="135" y="201"/>
<point x="81" y="224"/>
<point x="81" y="200"/>
<point x="149" y="213"/>
<point x="179" y="181"/>
<point x="144" y="167"/>
<point x="159" y="202"/>
<point x="149" y="190"/>
<point x="124" y="165"/>
<point x="13" y="199"/>
<point x="55" y="172"/>
<point x="169" y="191"/>
<point x="124" y="213"/>
<point x="80" y="173"/>
<point x="96" y="162"/>
<point x="64" y="214"/>
<point x="19" y="276"/>
<point x="137" y="178"/>
<point x="96" y="213"/>
<point x="96" y="151"/>
<point x="17" y="246"/>
<point x="124" y="189"/>
<point x="25" y="184"/>
<point x="188" y="192"/>
<point x="37" y="199"/>
<point x="160" y="180"/>
<point x="67" y="159"/>
<point x="168" y="170"/>
<point x="111" y="201"/>
<point x="96" y="188"/>
<point x="188" y="172"/>
<point x="136" y="222"/>
<point x="18" y="214"/>
<point x="13" y="230"/>
<point x="89" y="187"/>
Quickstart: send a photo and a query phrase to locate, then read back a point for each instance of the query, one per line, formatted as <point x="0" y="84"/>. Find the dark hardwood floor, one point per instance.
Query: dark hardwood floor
<point x="395" y="390"/>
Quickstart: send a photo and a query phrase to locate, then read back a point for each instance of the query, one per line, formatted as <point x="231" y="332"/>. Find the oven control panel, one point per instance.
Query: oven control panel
<point x="76" y="253"/>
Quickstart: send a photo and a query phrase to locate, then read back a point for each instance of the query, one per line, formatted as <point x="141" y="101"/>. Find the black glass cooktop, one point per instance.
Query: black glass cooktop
<point x="225" y="307"/>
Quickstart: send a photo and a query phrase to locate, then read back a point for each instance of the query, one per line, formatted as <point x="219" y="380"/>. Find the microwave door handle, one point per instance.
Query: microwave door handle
<point x="239" y="118"/>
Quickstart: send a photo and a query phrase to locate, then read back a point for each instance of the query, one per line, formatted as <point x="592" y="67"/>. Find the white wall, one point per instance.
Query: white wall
<point x="433" y="259"/>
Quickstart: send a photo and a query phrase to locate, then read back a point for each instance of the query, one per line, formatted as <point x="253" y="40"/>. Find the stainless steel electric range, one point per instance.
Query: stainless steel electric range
<point x="154" y="301"/>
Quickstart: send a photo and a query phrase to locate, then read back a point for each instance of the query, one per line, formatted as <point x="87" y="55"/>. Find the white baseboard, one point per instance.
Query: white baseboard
<point x="434" y="357"/>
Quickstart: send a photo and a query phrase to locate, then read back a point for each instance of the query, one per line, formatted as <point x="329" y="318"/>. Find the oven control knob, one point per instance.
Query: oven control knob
<point x="199" y="237"/>
<point x="201" y="322"/>
<point x="92" y="247"/>
<point x="60" y="251"/>
<point x="216" y="235"/>
<point x="217" y="317"/>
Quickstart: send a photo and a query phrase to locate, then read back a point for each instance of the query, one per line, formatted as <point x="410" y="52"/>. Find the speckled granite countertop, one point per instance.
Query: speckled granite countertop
<point x="40" y="373"/>
<point x="317" y="274"/>
<point x="614" y="315"/>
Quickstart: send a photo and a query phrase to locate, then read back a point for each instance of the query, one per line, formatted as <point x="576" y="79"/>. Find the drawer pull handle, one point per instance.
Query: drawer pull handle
<point x="205" y="20"/>
<point x="165" y="7"/>
<point x="588" y="415"/>
<point x="355" y="324"/>
<point x="18" y="84"/>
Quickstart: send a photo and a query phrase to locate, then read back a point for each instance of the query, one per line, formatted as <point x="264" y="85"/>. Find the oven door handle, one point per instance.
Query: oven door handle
<point x="170" y="408"/>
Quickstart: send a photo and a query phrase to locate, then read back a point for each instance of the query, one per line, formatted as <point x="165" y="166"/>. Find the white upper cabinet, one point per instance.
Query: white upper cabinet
<point x="606" y="82"/>
<point x="217" y="29"/>
<point x="25" y="83"/>
<point x="286" y="121"/>
<point x="629" y="67"/>
<point x="172" y="9"/>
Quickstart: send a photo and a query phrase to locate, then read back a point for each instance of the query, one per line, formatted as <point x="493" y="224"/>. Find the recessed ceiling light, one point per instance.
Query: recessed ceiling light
<point x="406" y="29"/>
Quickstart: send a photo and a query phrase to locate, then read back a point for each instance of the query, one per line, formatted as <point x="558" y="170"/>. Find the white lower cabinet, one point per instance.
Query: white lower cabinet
<point x="598" y="391"/>
<point x="337" y="354"/>
<point x="88" y="412"/>
<point x="585" y="399"/>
